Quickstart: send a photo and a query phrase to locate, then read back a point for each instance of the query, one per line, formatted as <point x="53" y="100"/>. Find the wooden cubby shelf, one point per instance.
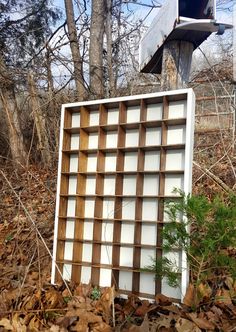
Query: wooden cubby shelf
<point x="119" y="161"/>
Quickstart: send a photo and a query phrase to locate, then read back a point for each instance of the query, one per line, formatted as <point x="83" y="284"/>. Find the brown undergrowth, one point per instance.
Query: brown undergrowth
<point x="28" y="302"/>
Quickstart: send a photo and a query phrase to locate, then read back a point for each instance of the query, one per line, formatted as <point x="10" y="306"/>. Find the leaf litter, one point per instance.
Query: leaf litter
<point x="28" y="302"/>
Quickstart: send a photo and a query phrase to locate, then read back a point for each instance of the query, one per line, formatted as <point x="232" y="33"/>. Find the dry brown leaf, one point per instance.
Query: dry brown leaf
<point x="201" y="322"/>
<point x="144" y="327"/>
<point x="189" y="298"/>
<point x="101" y="327"/>
<point x="185" y="325"/>
<point x="53" y="299"/>
<point x="34" y="324"/>
<point x="204" y="292"/>
<point x="223" y="297"/>
<point x="104" y="305"/>
<point x="162" y="300"/>
<point x="143" y="309"/>
<point x="6" y="324"/>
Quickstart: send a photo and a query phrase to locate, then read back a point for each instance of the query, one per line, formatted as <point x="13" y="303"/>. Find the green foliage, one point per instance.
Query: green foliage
<point x="95" y="294"/>
<point x="163" y="267"/>
<point x="204" y="230"/>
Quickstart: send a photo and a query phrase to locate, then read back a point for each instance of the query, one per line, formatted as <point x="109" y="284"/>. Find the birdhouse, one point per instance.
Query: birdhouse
<point x="185" y="20"/>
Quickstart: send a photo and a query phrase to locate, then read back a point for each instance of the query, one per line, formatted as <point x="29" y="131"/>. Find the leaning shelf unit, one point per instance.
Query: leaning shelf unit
<point x="119" y="161"/>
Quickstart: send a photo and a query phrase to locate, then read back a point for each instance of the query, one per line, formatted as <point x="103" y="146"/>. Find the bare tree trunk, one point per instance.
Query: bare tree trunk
<point x="96" y="48"/>
<point x="108" y="30"/>
<point x="74" y="46"/>
<point x="51" y="99"/>
<point x="10" y="109"/>
<point x="176" y="64"/>
<point x="39" y="119"/>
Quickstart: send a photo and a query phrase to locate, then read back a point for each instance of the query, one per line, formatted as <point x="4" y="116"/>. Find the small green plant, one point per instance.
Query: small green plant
<point x="95" y="294"/>
<point x="204" y="230"/>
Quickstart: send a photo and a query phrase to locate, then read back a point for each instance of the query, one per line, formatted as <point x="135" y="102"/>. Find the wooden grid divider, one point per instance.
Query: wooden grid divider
<point x="113" y="179"/>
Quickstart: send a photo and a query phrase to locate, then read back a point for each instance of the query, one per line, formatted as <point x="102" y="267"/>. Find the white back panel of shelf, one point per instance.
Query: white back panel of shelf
<point x="133" y="114"/>
<point x="112" y="116"/>
<point x="74" y="142"/>
<point x="75" y="120"/>
<point x="154" y="112"/>
<point x="88" y="229"/>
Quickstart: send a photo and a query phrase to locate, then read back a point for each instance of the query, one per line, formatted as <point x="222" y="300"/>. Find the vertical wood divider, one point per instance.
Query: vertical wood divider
<point x="118" y="199"/>
<point x="98" y="211"/>
<point x="161" y="185"/>
<point x="80" y="201"/>
<point x="138" y="202"/>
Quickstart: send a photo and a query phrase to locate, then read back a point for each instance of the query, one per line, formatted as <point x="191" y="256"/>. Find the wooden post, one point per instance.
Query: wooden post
<point x="176" y="64"/>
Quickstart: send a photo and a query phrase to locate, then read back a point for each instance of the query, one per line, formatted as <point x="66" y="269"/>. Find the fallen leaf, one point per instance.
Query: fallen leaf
<point x="4" y="322"/>
<point x="143" y="309"/>
<point x="201" y="322"/>
<point x="162" y="300"/>
<point x="185" y="325"/>
<point x="223" y="297"/>
<point x="144" y="327"/>
<point x="189" y="298"/>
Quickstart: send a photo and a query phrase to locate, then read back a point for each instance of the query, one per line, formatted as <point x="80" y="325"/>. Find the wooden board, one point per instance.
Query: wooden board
<point x="119" y="162"/>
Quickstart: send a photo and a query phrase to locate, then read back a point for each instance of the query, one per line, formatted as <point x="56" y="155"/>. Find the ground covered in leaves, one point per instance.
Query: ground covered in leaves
<point x="28" y="302"/>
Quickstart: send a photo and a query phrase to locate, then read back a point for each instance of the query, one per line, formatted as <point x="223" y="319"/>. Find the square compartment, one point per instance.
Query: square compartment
<point x="149" y="234"/>
<point x="177" y="109"/>
<point x="106" y="254"/>
<point x="110" y="162"/>
<point x="176" y="135"/>
<point x="109" y="185"/>
<point x="126" y="256"/>
<point x="107" y="231"/>
<point x="113" y="116"/>
<point x="127" y="232"/>
<point x="68" y="251"/>
<point x="108" y="208"/>
<point x="125" y="280"/>
<point x="111" y="139"/>
<point x="154" y="112"/>
<point x="128" y="208"/>
<point x="153" y="136"/>
<point x="87" y="252"/>
<point x="131" y="161"/>
<point x="74" y="142"/>
<point x="72" y="187"/>
<point x="94" y="118"/>
<point x="70" y="228"/>
<point x="75" y="120"/>
<point x="88" y="230"/>
<point x="147" y="257"/>
<point x="150" y="185"/>
<point x="89" y="208"/>
<point x="152" y="161"/>
<point x="168" y="291"/>
<point x="90" y="185"/>
<point x="133" y="114"/>
<point x="129" y="185"/>
<point x="131" y="138"/>
<point x="85" y="274"/>
<point x="67" y="271"/>
<point x="147" y="283"/>
<point x="91" y="162"/>
<point x="150" y="209"/>
<point x="93" y="141"/>
<point x="105" y="278"/>
<point x="172" y="182"/>
<point x="175" y="160"/>
<point x="71" y="203"/>
<point x="74" y="163"/>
